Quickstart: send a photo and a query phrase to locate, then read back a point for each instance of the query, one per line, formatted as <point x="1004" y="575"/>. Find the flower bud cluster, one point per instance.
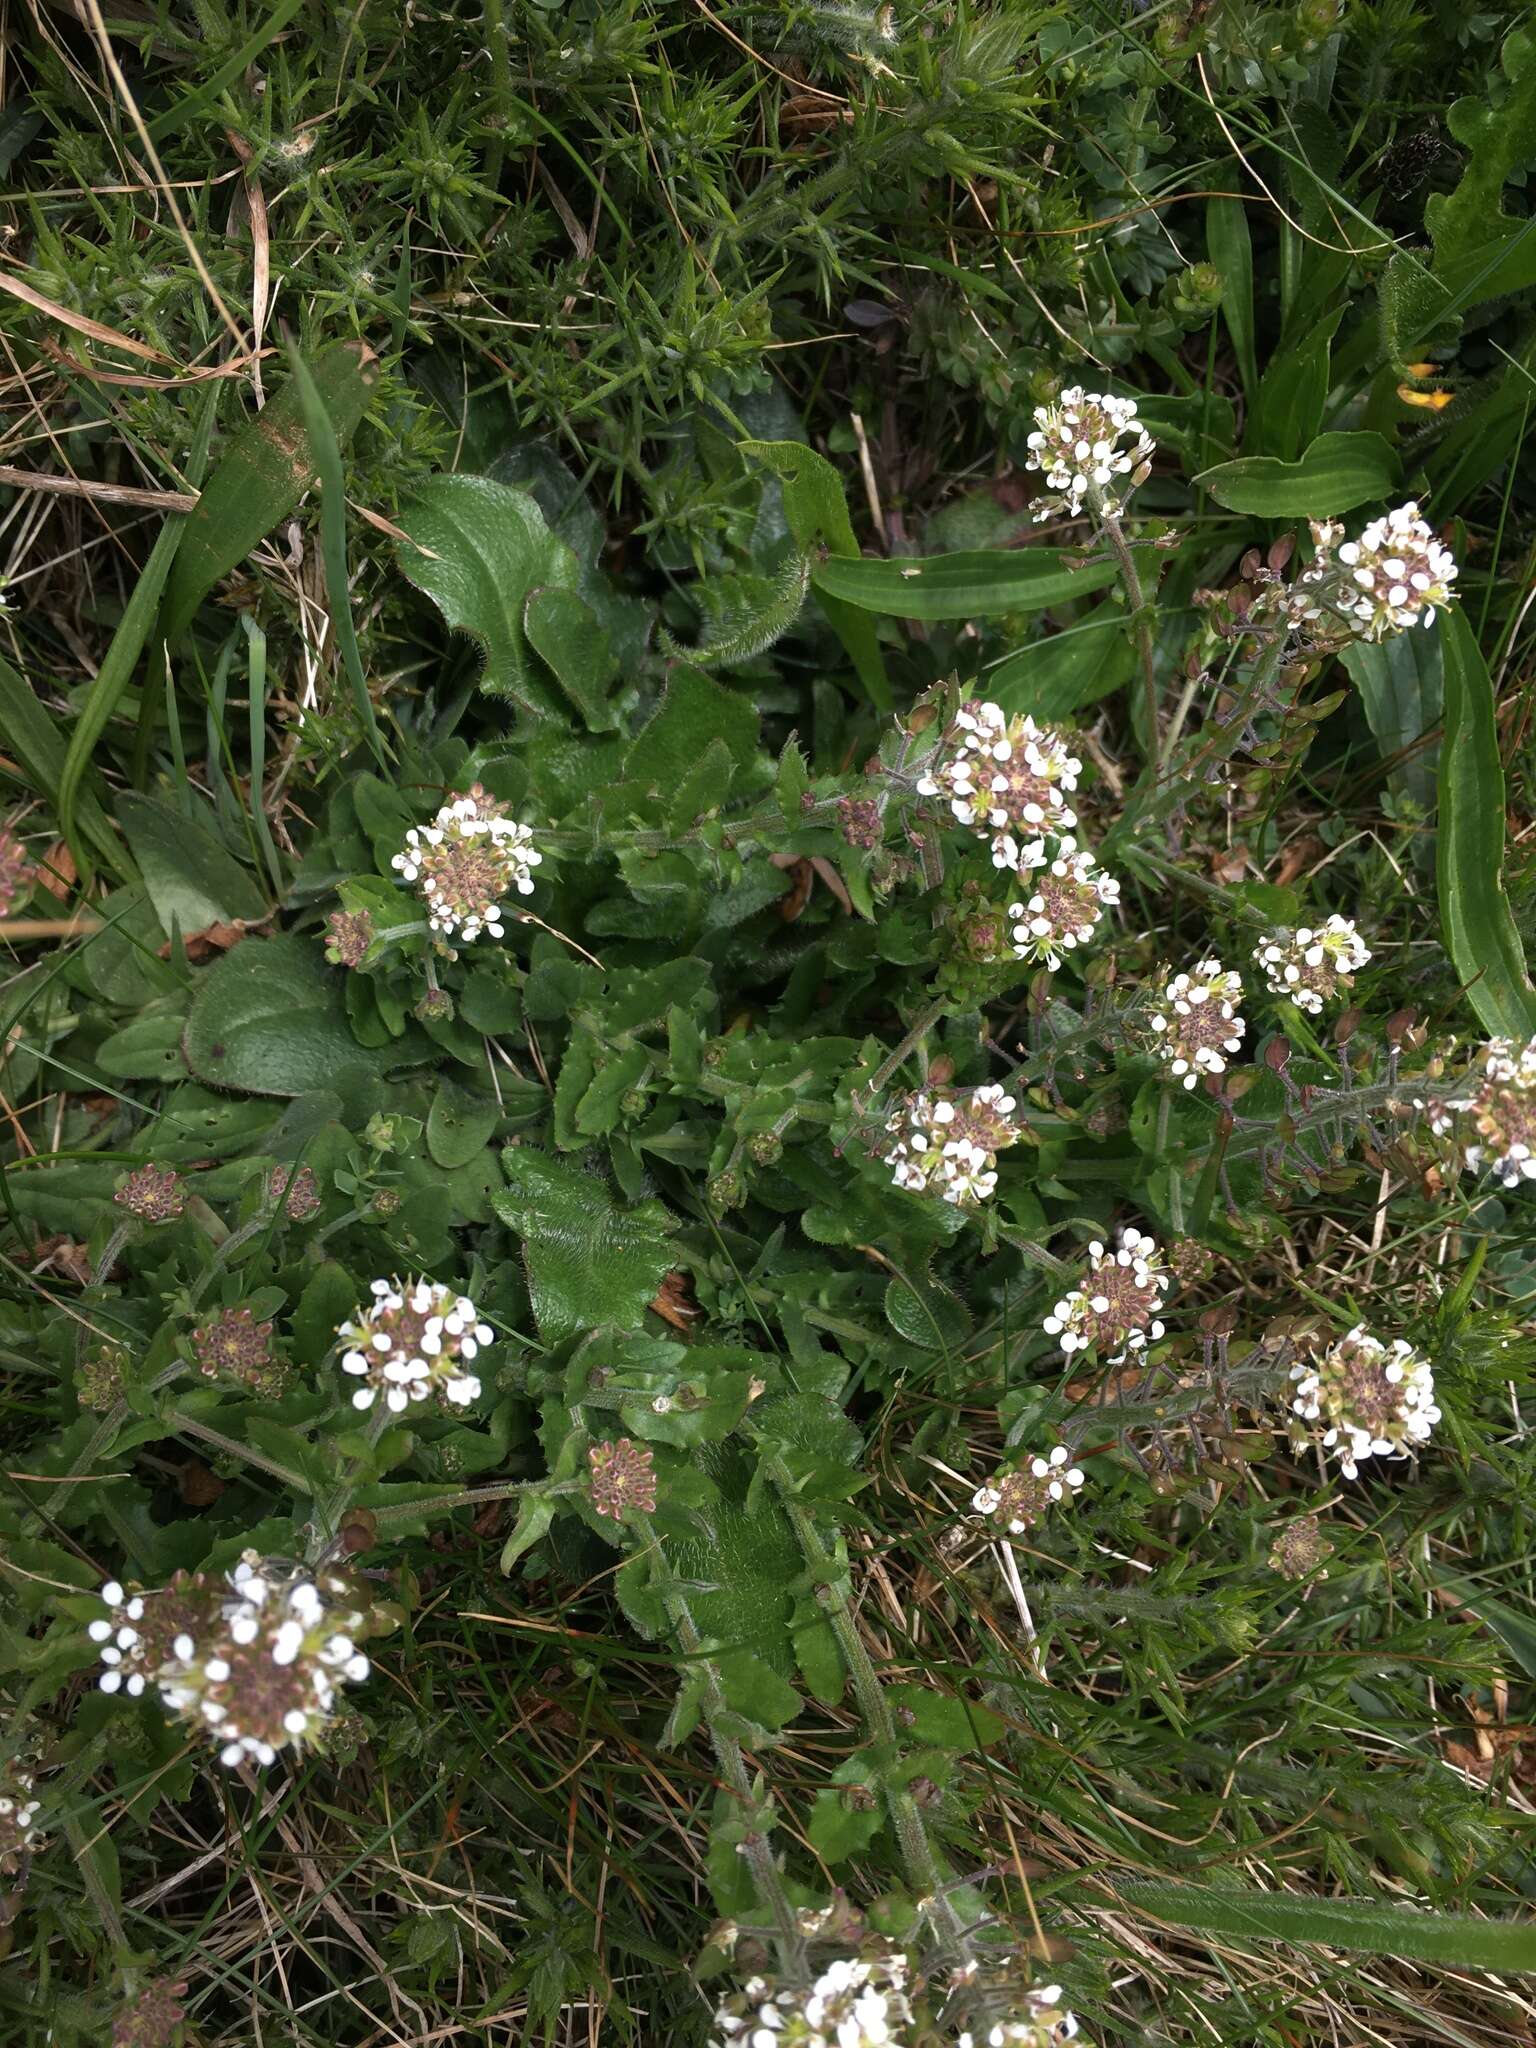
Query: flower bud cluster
<point x="411" y="1344"/>
<point x="1077" y="443"/>
<point x="1501" y="1110"/>
<point x="1392" y="578"/>
<point x="252" y="1661"/>
<point x="1017" y="1498"/>
<point x="1311" y="966"/>
<point x="946" y="1143"/>
<point x="1374" y="1400"/>
<point x="855" y="2002"/>
<point x="1115" y="1310"/>
<point x="465" y="861"/>
<point x="1199" y="1024"/>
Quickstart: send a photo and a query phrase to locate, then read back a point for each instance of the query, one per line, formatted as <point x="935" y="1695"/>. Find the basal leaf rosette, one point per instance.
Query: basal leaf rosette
<point x="412" y="1344"/>
<point x="252" y="1661"/>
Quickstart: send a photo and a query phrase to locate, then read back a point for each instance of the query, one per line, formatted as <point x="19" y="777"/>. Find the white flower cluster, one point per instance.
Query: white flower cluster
<point x="1044" y="2023"/>
<point x="1199" y="1024"/>
<point x="1019" y="1498"/>
<point x="1502" y="1111"/>
<point x="412" y="1343"/>
<point x="1006" y="777"/>
<point x="1077" y="444"/>
<point x="1391" y="578"/>
<point x="1011" y="780"/>
<point x="19" y="1810"/>
<point x="1313" y="966"/>
<point x="1115" y="1310"/>
<point x="1062" y="911"/>
<point x="947" y="1144"/>
<point x="1374" y="1400"/>
<point x="853" y="2003"/>
<point x="252" y="1661"/>
<point x="465" y="861"/>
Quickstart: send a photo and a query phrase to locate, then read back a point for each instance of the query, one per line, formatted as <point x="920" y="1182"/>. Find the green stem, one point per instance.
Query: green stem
<point x="185" y="1425"/>
<point x="464" y="1497"/>
<point x="926" y="1019"/>
<point x="917" y="1852"/>
<point x="1175" y="1184"/>
<point x="728" y="1753"/>
<point x="1141" y="630"/>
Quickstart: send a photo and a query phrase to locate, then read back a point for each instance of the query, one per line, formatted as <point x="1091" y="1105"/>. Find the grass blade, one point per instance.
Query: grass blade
<point x="1475" y="915"/>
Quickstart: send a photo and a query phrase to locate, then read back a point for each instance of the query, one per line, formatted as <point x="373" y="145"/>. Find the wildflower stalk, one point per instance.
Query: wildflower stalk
<point x="917" y="1852"/>
<point x="1141" y="632"/>
<point x="756" y="1847"/>
<point x="917" y="1032"/>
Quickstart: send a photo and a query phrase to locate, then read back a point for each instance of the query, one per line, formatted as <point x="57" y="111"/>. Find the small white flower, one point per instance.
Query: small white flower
<point x="465" y="861"/>
<point x="948" y="1144"/>
<point x="1390" y="579"/>
<point x="1068" y="898"/>
<point x="1006" y="777"/>
<point x="1501" y="1110"/>
<point x="1372" y="1399"/>
<point x="1077" y="445"/>
<point x="1114" y="1311"/>
<point x="411" y="1343"/>
<point x="1018" y="1497"/>
<point x="1199" y="1024"/>
<point x="1313" y="966"/>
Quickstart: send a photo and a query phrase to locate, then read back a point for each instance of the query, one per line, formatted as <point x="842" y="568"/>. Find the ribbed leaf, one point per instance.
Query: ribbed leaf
<point x="1359" y="1926"/>
<point x="961" y="586"/>
<point x="1479" y="927"/>
<point x="1337" y="473"/>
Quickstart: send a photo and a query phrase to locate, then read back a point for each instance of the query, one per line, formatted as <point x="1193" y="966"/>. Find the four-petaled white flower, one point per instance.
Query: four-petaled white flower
<point x="947" y="1143"/>
<point x="1199" y="1024"/>
<point x="1501" y="1110"/>
<point x="1042" y="2022"/>
<point x="1374" y="1400"/>
<point x="1017" y="1498"/>
<point x="1392" y="578"/>
<point x="412" y="1343"/>
<point x="1005" y="777"/>
<point x="1115" y="1310"/>
<point x="252" y="1661"/>
<point x="1077" y="444"/>
<point x="465" y="861"/>
<point x="855" y="2002"/>
<point x="1062" y="911"/>
<point x="1313" y="965"/>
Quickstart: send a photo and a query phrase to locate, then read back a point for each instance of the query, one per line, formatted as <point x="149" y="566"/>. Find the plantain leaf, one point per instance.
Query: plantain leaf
<point x="480" y="550"/>
<point x="1337" y="473"/>
<point x="817" y="515"/>
<point x="1475" y="916"/>
<point x="1230" y="247"/>
<point x="1058" y="674"/>
<point x="1358" y="1926"/>
<point x="962" y="586"/>
<point x="262" y="475"/>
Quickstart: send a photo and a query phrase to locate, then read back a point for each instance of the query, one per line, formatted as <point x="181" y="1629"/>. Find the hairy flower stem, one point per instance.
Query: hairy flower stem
<point x="919" y="1030"/>
<point x="917" y="1852"/>
<point x="1141" y="630"/>
<point x="236" y="1241"/>
<point x="756" y="1847"/>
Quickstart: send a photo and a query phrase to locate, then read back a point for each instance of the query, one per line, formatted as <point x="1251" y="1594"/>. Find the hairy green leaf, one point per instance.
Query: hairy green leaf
<point x="590" y="1262"/>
